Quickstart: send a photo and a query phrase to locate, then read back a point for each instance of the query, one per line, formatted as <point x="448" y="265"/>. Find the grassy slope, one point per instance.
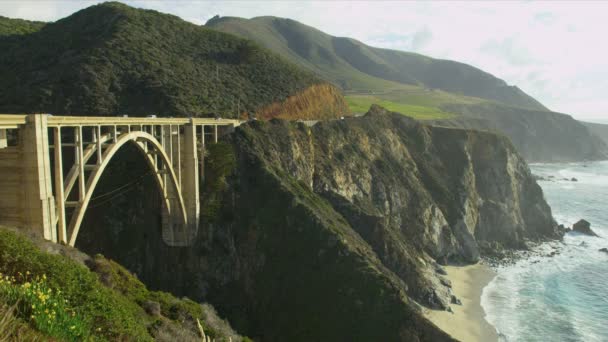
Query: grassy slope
<point x="360" y="68"/>
<point x="109" y="301"/>
<point x="111" y="59"/>
<point x="360" y="104"/>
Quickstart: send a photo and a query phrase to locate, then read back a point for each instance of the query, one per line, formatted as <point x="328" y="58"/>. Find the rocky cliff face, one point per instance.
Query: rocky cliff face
<point x="540" y="136"/>
<point x="336" y="231"/>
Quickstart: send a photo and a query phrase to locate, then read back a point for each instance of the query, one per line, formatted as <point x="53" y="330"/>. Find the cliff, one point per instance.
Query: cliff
<point x="600" y="130"/>
<point x="539" y="136"/>
<point x="336" y="231"/>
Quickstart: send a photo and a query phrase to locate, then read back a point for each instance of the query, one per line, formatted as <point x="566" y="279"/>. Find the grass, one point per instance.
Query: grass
<point x="47" y="310"/>
<point x="13" y="329"/>
<point x="56" y="297"/>
<point x="361" y="104"/>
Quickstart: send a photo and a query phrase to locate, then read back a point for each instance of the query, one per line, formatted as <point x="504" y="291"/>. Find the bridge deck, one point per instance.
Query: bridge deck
<point x="11" y="121"/>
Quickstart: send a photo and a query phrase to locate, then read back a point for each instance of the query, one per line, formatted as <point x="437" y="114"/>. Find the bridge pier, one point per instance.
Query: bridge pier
<point x="37" y="201"/>
<point x="3" y="138"/>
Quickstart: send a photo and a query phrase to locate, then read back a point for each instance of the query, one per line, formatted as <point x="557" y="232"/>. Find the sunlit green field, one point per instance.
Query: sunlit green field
<point x="361" y="104"/>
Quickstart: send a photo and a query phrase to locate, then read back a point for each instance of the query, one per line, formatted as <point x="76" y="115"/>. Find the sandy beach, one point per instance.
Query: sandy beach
<point x="467" y="323"/>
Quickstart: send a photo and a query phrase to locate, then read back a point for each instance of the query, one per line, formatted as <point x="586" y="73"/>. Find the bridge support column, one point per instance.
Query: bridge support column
<point x="190" y="179"/>
<point x="38" y="202"/>
<point x="3" y="138"/>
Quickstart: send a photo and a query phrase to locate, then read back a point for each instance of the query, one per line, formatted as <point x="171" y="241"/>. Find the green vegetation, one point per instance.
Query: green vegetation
<point x="18" y="26"/>
<point x="48" y="311"/>
<point x="112" y="59"/>
<point x="62" y="299"/>
<point x="357" y="67"/>
<point x="219" y="163"/>
<point x="362" y="103"/>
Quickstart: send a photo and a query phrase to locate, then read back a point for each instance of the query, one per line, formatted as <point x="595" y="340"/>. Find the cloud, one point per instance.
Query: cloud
<point x="551" y="50"/>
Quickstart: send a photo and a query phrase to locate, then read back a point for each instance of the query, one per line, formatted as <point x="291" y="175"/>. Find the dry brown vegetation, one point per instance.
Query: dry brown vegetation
<point x="317" y="102"/>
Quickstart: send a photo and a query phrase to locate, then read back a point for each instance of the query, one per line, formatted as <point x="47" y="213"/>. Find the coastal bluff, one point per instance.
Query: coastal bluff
<point x="308" y="232"/>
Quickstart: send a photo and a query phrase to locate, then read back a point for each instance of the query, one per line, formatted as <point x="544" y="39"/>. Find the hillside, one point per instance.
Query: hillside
<point x="355" y="66"/>
<point x="540" y="136"/>
<point x="333" y="232"/>
<point x="50" y="292"/>
<point x="112" y="59"/>
<point x="424" y="88"/>
<point x="601" y="130"/>
<point x="10" y="26"/>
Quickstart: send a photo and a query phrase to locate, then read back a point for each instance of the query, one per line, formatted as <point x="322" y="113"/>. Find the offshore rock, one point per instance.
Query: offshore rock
<point x="583" y="226"/>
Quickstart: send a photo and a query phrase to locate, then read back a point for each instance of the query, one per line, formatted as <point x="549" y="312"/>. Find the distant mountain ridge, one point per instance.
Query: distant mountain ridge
<point x="354" y="65"/>
<point x="450" y="93"/>
<point x="112" y="59"/>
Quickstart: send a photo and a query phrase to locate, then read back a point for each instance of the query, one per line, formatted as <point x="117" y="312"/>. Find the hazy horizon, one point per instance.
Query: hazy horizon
<point x="545" y="48"/>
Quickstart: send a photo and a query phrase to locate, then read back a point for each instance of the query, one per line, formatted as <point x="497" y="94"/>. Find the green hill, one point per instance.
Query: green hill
<point x="357" y="67"/>
<point x="454" y="94"/>
<point x="112" y="59"/>
<point x="10" y="26"/>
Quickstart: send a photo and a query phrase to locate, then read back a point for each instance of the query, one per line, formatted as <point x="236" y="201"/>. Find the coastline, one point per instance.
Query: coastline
<point x="468" y="322"/>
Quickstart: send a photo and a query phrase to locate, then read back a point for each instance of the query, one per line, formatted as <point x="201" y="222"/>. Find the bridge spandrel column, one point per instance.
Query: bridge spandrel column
<point x="190" y="179"/>
<point x="3" y="138"/>
<point x="37" y="199"/>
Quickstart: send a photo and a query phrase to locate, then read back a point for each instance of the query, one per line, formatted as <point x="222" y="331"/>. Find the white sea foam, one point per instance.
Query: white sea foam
<point x="560" y="298"/>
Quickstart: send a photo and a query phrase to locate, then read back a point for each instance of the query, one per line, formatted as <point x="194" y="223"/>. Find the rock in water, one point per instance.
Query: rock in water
<point x="605" y="250"/>
<point x="583" y="226"/>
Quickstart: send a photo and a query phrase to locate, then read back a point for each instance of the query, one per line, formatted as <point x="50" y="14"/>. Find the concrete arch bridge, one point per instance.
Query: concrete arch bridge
<point x="50" y="166"/>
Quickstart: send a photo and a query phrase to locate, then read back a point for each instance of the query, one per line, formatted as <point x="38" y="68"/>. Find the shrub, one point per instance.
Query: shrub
<point x="43" y="307"/>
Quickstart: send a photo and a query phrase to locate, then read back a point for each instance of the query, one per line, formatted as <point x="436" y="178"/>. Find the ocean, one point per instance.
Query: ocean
<point x="564" y="297"/>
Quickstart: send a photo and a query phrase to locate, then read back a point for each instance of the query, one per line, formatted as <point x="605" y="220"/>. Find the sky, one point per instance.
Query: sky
<point x="554" y="51"/>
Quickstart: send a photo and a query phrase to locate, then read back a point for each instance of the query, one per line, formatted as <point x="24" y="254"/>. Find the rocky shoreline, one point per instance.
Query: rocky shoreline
<point x="496" y="257"/>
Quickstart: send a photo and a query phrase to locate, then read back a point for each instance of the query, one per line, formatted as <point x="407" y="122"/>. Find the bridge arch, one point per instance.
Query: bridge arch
<point x="149" y="146"/>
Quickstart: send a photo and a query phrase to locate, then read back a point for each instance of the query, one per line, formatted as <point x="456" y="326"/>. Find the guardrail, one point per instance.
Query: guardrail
<point x="11" y="121"/>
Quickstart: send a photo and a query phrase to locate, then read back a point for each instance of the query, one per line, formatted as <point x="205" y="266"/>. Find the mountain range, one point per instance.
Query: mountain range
<point x="450" y="93"/>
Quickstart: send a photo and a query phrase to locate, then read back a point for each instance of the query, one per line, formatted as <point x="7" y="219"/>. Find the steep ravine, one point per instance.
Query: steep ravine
<point x="336" y="231"/>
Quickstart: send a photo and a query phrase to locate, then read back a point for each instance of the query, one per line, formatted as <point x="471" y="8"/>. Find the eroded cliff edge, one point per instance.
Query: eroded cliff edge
<point x="336" y="231"/>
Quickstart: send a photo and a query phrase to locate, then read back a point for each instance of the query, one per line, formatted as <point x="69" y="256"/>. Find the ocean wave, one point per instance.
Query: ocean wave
<point x="560" y="298"/>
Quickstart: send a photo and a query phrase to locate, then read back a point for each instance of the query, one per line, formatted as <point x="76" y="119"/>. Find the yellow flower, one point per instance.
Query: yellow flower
<point x="72" y="327"/>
